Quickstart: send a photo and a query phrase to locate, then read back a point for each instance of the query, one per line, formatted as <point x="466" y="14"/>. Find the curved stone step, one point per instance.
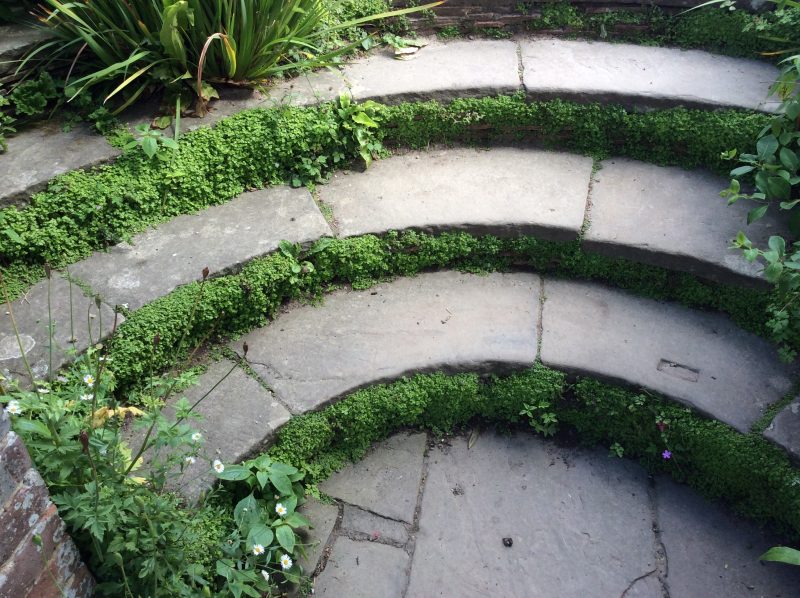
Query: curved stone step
<point x="663" y="216"/>
<point x="636" y="76"/>
<point x="455" y="322"/>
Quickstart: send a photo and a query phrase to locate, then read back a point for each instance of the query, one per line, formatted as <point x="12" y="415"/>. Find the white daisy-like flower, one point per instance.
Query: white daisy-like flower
<point x="218" y="466"/>
<point x="86" y="397"/>
<point x="88" y="379"/>
<point x="42" y="391"/>
<point x="286" y="562"/>
<point x="265" y="574"/>
<point x="190" y="460"/>
<point x="196" y="437"/>
<point x="13" y="408"/>
<point x="281" y="510"/>
<point x="101" y="358"/>
<point x="258" y="549"/>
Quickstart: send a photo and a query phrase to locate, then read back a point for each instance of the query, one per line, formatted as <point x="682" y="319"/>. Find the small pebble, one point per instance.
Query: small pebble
<point x="507" y="542"/>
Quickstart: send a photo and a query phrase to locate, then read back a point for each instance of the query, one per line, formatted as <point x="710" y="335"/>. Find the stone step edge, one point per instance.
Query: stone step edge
<point x="227" y="107"/>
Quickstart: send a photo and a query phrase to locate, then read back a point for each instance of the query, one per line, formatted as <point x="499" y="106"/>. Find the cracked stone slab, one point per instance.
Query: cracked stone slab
<point x="240" y="418"/>
<point x="701" y="359"/>
<point x="579" y="521"/>
<point x="386" y="481"/>
<point x="37" y="154"/>
<point x="72" y="312"/>
<point x="363" y="570"/>
<point x="643" y="77"/>
<point x="712" y="553"/>
<point x="444" y="321"/>
<point x="674" y="219"/>
<point x="323" y="519"/>
<point x="785" y="430"/>
<point x="439" y="71"/>
<point x="502" y="191"/>
<point x="221" y="238"/>
<point x="376" y="528"/>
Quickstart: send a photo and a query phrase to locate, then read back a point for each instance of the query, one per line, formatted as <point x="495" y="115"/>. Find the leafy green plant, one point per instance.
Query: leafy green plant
<point x="359" y="123"/>
<point x="541" y="417"/>
<point x="298" y="258"/>
<point x="136" y="46"/>
<point x="262" y="551"/>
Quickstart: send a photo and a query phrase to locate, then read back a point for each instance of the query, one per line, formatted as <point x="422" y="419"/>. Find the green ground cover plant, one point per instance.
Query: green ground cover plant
<point x="83" y="211"/>
<point x="743" y="470"/>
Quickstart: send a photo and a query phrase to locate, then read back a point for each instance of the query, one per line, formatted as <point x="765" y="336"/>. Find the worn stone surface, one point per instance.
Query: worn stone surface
<point x="711" y="553"/>
<point x="239" y="418"/>
<point x="69" y="309"/>
<point x="379" y="529"/>
<point x="363" y="570"/>
<point x="502" y="191"/>
<point x="386" y="481"/>
<point x="221" y="237"/>
<point x="697" y="358"/>
<point x="579" y="521"/>
<point x="675" y="219"/>
<point x="37" y="154"/>
<point x="15" y="41"/>
<point x="642" y="76"/>
<point x="323" y="519"/>
<point x="438" y="321"/>
<point x="439" y="71"/>
<point x="785" y="430"/>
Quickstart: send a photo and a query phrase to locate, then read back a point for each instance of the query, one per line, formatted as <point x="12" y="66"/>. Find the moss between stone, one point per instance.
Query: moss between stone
<point x="240" y="302"/>
<point x="743" y="470"/>
<point x="85" y="211"/>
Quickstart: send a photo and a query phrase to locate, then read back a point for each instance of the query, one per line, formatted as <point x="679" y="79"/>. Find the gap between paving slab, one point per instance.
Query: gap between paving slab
<point x="596" y="71"/>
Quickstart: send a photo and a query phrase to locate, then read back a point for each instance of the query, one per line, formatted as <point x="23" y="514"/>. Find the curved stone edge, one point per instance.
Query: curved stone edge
<point x="442" y="71"/>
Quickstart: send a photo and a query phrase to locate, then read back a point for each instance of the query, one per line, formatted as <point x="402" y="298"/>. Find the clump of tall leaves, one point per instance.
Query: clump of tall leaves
<point x="133" y="47"/>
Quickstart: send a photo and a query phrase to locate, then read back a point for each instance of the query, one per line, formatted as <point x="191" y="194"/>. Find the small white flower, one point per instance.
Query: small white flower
<point x="265" y="574"/>
<point x="196" y="437"/>
<point x="42" y="391"/>
<point x="125" y="305"/>
<point x="13" y="408"/>
<point x="286" y="562"/>
<point x="101" y="358"/>
<point x="281" y="510"/>
<point x="86" y="397"/>
<point x="62" y="379"/>
<point x="88" y="379"/>
<point x="190" y="460"/>
<point x="218" y="466"/>
<point x="258" y="549"/>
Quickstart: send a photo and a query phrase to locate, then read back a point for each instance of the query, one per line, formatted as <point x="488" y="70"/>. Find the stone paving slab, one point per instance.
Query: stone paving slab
<point x="439" y="71"/>
<point x="221" y="238"/>
<point x="701" y="359"/>
<point x="785" y="430"/>
<point x="323" y="519"/>
<point x="363" y="570"/>
<point x="674" y="219"/>
<point x="438" y="321"/>
<point x="502" y="191"/>
<point x="15" y="41"/>
<point x="386" y="481"/>
<point x="377" y="529"/>
<point x="712" y="553"/>
<point x="72" y="313"/>
<point x="642" y="76"/>
<point x="579" y="521"/>
<point x="38" y="154"/>
<point x="239" y="418"/>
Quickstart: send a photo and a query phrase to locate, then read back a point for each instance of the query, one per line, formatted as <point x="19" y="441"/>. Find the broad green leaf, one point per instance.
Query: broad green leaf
<point x="789" y="159"/>
<point x="259" y="534"/>
<point x="773" y="272"/>
<point x="245" y="509"/>
<point x="281" y="482"/>
<point x="767" y="146"/>
<point x="782" y="554"/>
<point x="756" y="213"/>
<point x="741" y="170"/>
<point x="777" y="244"/>
<point x="235" y="473"/>
<point x="263" y="478"/>
<point x="297" y="520"/>
<point x="12" y="234"/>
<point x="283" y="468"/>
<point x="286" y="538"/>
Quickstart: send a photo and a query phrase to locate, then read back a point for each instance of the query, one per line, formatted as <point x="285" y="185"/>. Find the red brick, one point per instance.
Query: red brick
<point x="20" y="572"/>
<point x="22" y="512"/>
<point x="14" y="457"/>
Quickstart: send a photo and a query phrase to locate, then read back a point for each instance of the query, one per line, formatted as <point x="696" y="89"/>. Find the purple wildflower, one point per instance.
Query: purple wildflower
<point x="666" y="454"/>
